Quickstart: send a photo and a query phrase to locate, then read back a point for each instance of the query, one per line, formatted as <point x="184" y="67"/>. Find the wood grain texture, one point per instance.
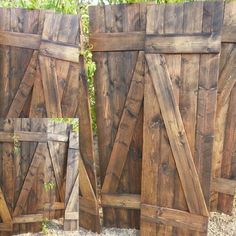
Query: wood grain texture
<point x="174" y="217"/>
<point x="185" y="72"/>
<point x="223" y="167"/>
<point x="72" y="186"/>
<point x="176" y="134"/>
<point x="33" y="167"/>
<point x="182" y="44"/>
<point x="126" y="127"/>
<point x="32" y="86"/>
<point x="112" y="81"/>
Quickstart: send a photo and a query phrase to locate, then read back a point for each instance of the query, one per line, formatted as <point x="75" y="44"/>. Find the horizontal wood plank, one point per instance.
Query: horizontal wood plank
<point x="59" y="51"/>
<point x="130" y="201"/>
<point x="222" y="185"/>
<point x="54" y="206"/>
<point x="173" y="217"/>
<point x="32" y="137"/>
<point x="22" y="40"/>
<point x="182" y="44"/>
<point x="28" y="218"/>
<point x="125" y="41"/>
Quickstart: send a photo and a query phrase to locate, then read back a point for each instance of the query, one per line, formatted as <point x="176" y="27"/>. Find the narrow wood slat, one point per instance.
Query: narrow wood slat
<point x="22" y="40"/>
<point x="72" y="207"/>
<point x="31" y="218"/>
<point x="176" y="134"/>
<point x="59" y="51"/>
<point x="130" y="201"/>
<point x="182" y="44"/>
<point x="74" y="141"/>
<point x="124" y="41"/>
<point x="24" y="88"/>
<point x="27" y="136"/>
<point x="126" y="128"/>
<point x="53" y="150"/>
<point x="72" y="185"/>
<point x="4" y="211"/>
<point x="72" y="204"/>
<point x="222" y="185"/>
<point x="85" y="126"/>
<point x="173" y="217"/>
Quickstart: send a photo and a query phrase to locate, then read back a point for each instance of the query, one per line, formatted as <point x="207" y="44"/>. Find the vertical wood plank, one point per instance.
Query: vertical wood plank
<point x="50" y="86"/>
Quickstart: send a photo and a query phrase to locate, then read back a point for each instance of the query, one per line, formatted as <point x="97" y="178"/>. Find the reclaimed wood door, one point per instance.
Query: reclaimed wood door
<point x="224" y="158"/>
<point x="182" y="56"/>
<point x="39" y="64"/>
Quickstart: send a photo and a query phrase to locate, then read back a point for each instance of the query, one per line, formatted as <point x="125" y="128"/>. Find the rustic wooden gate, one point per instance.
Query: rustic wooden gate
<point x="182" y="55"/>
<point x="181" y="44"/>
<point x="39" y="64"/>
<point x="224" y="158"/>
<point x="119" y="98"/>
<point x="33" y="173"/>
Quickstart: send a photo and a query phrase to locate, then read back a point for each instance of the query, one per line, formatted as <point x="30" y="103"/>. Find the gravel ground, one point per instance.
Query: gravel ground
<point x="219" y="225"/>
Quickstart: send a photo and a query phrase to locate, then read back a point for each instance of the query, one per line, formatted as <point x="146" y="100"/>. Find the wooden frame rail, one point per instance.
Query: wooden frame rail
<point x="45" y="47"/>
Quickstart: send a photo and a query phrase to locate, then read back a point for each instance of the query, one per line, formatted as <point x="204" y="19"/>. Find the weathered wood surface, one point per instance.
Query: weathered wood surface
<point x="27" y="167"/>
<point x="224" y="158"/>
<point x="89" y="219"/>
<point x="72" y="184"/>
<point x="115" y="69"/>
<point x="39" y="63"/>
<point x="179" y="110"/>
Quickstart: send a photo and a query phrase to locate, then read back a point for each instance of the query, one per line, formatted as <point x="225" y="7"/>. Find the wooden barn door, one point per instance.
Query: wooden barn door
<point x="182" y="62"/>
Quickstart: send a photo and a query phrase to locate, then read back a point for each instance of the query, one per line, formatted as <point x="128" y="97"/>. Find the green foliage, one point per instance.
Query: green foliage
<point x="86" y="52"/>
<point x="71" y="121"/>
<point x="49" y="186"/>
<point x="45" y="226"/>
<point x="64" y="6"/>
<point x="16" y="147"/>
<point x="111" y="2"/>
